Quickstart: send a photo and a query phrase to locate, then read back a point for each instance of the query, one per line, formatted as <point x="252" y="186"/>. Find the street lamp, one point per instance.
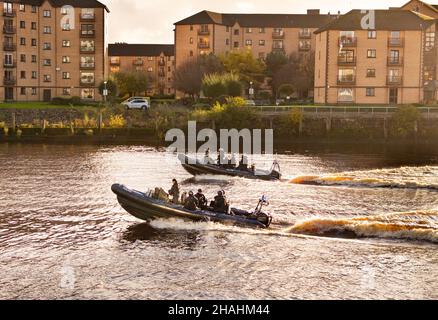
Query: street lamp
<point x="251" y="90"/>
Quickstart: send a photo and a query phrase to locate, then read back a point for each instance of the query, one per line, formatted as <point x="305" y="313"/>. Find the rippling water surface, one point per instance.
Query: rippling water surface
<point x="347" y="225"/>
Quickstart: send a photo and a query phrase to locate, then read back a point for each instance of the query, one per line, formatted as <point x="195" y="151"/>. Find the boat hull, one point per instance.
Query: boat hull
<point x="148" y="209"/>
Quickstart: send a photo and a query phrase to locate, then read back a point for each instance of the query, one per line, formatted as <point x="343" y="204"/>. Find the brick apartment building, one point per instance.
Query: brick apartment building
<point x="52" y="49"/>
<point x="394" y="62"/>
<point x="210" y="32"/>
<point x="158" y="60"/>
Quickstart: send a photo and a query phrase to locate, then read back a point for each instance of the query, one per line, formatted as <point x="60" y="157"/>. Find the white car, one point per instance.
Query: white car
<point x="137" y="103"/>
<point x="250" y="103"/>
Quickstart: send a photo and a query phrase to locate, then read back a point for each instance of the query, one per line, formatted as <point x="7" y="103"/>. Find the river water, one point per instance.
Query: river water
<point x="347" y="225"/>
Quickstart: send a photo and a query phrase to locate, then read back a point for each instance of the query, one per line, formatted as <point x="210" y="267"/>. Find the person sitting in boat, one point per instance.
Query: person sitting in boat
<point x="220" y="203"/>
<point x="202" y="200"/>
<point x="174" y="191"/>
<point x="191" y="202"/>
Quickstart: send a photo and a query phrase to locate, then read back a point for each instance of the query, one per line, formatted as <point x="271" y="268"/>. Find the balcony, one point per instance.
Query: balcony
<point x="9" y="30"/>
<point x="278" y="35"/>
<point x="203" y="32"/>
<point x="394" y="80"/>
<point x="396" y="42"/>
<point x="347" y="80"/>
<point x="9" y="65"/>
<point x="115" y="62"/>
<point x="348" y="42"/>
<point x="305" y="34"/>
<point x="306" y="47"/>
<point x="395" y="62"/>
<point x="138" y="62"/>
<point x="9" y="46"/>
<point x="88" y="17"/>
<point x="87" y="50"/>
<point x="87" y="65"/>
<point x="87" y="83"/>
<point x="9" y="81"/>
<point x="278" y="49"/>
<point x="204" y="45"/>
<point x="9" y="13"/>
<point x="346" y="61"/>
<point x="87" y="33"/>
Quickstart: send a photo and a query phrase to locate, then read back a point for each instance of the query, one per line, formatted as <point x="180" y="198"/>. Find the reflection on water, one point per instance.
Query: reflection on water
<point x="60" y="224"/>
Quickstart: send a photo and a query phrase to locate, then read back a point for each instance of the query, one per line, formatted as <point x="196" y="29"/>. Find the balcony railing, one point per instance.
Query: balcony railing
<point x="87" y="83"/>
<point x="115" y="62"/>
<point x="278" y="35"/>
<point x="395" y="61"/>
<point x="394" y="80"/>
<point x="87" y="65"/>
<point x="306" y="47"/>
<point x="9" y="46"/>
<point x="87" y="33"/>
<point x="9" y="30"/>
<point x="346" y="61"/>
<point x="9" y="64"/>
<point x="278" y="49"/>
<point x="9" y="13"/>
<point x="88" y="17"/>
<point x="87" y="50"/>
<point x="350" y="80"/>
<point x="9" y="81"/>
<point x="348" y="42"/>
<point x="396" y="42"/>
<point x="204" y="32"/>
<point x="138" y="62"/>
<point x="204" y="45"/>
<point x="305" y="34"/>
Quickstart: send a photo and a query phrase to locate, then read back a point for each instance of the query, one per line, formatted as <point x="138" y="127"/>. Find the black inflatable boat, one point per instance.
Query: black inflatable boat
<point x="147" y="208"/>
<point x="195" y="167"/>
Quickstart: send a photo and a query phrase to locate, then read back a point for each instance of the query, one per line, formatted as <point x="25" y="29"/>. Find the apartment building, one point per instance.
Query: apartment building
<point x="430" y="10"/>
<point x="210" y="32"/>
<point x="391" y="62"/>
<point x="158" y="60"/>
<point x="52" y="49"/>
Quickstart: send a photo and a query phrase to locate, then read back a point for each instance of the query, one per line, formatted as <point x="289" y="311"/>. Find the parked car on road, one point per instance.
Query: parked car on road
<point x="136" y="103"/>
<point x="250" y="103"/>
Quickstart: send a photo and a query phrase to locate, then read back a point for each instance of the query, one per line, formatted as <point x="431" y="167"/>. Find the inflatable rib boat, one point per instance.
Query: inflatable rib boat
<point x="146" y="208"/>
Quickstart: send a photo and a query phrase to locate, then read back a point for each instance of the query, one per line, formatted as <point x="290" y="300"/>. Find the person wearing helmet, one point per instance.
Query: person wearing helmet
<point x="174" y="191"/>
<point x="220" y="203"/>
<point x="202" y="200"/>
<point x="191" y="202"/>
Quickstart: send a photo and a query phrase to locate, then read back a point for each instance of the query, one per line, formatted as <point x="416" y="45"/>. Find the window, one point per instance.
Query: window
<point x="87" y="78"/>
<point x="236" y="32"/>
<point x="278" y="44"/>
<point x="47" y="62"/>
<point x="34" y="58"/>
<point x="23" y="74"/>
<point x="191" y="53"/>
<point x="22" y="58"/>
<point x="23" y="41"/>
<point x="66" y="43"/>
<point x="248" y="43"/>
<point x="64" y="11"/>
<point x="87" y="46"/>
<point x="47" y="78"/>
<point x="47" y="30"/>
<point x="87" y="94"/>
<point x="87" y="13"/>
<point x="370" y="92"/>
<point x="9" y="59"/>
<point x="33" y="26"/>
<point x="347" y="37"/>
<point x="34" y="9"/>
<point x="66" y="27"/>
<point x="346" y="75"/>
<point x="371" y="53"/>
<point x="248" y="30"/>
<point x="34" y="91"/>
<point x="191" y="28"/>
<point x="304" y="45"/>
<point x="65" y="59"/>
<point x="22" y="24"/>
<point x="191" y="40"/>
<point x="262" y="42"/>
<point x="87" y="62"/>
<point x="22" y="7"/>
<point x="33" y="42"/>
<point x="47" y="46"/>
<point x="262" y="30"/>
<point x="345" y="56"/>
<point x="345" y="95"/>
<point x="430" y="41"/>
<point x="262" y="55"/>
<point x="66" y="92"/>
<point x="236" y="44"/>
<point x="150" y="69"/>
<point x="87" y="29"/>
<point x="66" y="75"/>
<point x="47" y="13"/>
<point x="372" y="34"/>
<point x="23" y="91"/>
<point x="371" y="73"/>
<point x="227" y="42"/>
<point x="34" y="75"/>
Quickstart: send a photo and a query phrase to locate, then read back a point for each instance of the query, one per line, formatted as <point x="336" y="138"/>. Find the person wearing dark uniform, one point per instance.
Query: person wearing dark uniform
<point x="191" y="202"/>
<point x="220" y="203"/>
<point x="202" y="200"/>
<point x="174" y="191"/>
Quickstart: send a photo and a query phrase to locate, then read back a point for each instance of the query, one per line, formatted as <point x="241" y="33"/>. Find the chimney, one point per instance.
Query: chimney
<point x="313" y="12"/>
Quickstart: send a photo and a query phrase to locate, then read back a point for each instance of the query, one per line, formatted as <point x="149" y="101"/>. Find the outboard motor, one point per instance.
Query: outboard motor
<point x="276" y="170"/>
<point x="264" y="218"/>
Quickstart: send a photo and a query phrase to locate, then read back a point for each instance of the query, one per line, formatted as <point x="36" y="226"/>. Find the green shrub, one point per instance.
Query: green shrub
<point x="404" y="122"/>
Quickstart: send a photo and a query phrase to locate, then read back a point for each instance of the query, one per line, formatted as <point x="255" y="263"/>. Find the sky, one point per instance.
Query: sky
<point x="151" y="21"/>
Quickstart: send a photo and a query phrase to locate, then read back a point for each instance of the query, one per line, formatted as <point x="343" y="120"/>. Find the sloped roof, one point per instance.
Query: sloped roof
<point x="140" y="50"/>
<point x="391" y="20"/>
<point x="60" y="3"/>
<point x="259" y="20"/>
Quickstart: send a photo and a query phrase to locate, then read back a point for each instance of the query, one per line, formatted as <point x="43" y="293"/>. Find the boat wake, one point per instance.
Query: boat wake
<point x="401" y="178"/>
<point x="417" y="226"/>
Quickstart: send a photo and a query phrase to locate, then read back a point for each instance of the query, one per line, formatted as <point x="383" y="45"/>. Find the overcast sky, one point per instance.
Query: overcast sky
<point x="151" y="21"/>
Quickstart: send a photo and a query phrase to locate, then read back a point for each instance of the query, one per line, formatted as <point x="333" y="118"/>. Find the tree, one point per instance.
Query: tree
<point x="216" y="85"/>
<point x="188" y="78"/>
<point x="132" y="83"/>
<point x="243" y="63"/>
<point x="211" y="64"/>
<point x="111" y="86"/>
<point x="275" y="61"/>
